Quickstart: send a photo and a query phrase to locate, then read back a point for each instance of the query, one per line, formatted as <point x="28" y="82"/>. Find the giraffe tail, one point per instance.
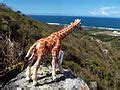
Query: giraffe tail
<point x="31" y="51"/>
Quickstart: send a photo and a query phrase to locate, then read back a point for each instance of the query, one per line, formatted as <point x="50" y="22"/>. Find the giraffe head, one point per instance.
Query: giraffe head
<point x="77" y="24"/>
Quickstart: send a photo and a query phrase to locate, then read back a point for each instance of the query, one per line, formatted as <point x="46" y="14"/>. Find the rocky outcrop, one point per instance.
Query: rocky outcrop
<point x="67" y="81"/>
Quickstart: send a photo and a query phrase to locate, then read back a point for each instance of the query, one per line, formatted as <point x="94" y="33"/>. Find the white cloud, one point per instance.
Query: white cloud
<point x="115" y="12"/>
<point x="92" y="12"/>
<point x="107" y="8"/>
<point x="104" y="11"/>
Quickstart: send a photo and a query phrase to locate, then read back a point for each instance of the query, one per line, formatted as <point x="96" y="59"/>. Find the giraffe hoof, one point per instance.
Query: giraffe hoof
<point x="34" y="83"/>
<point x="28" y="78"/>
<point x="62" y="71"/>
<point x="54" y="79"/>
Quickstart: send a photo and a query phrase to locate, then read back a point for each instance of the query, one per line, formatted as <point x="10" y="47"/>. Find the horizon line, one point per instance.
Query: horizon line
<point x="69" y="15"/>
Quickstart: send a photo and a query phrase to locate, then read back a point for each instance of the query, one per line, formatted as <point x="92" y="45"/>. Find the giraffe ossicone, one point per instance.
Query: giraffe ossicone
<point x="44" y="46"/>
<point x="77" y="20"/>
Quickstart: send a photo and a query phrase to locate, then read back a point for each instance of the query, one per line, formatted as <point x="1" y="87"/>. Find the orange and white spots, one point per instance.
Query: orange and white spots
<point x="44" y="46"/>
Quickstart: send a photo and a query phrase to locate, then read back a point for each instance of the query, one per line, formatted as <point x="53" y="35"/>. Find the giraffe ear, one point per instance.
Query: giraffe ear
<point x="71" y="23"/>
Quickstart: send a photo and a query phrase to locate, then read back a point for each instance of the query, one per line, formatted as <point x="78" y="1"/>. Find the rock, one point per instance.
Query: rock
<point x="105" y="51"/>
<point x="66" y="80"/>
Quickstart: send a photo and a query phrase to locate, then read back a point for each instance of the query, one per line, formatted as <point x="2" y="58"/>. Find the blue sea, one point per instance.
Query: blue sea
<point x="95" y="22"/>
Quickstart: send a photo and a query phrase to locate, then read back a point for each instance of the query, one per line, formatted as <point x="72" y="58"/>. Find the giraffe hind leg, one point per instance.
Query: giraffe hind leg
<point x="28" y="70"/>
<point x="35" y="69"/>
<point x="28" y="73"/>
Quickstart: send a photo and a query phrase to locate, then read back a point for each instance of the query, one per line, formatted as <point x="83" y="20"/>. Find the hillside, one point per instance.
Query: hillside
<point x="92" y="57"/>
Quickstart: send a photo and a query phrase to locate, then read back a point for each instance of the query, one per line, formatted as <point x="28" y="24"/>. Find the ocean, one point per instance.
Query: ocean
<point x="95" y="22"/>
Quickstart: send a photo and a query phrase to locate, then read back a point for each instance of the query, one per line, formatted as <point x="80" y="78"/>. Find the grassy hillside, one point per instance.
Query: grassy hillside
<point x="91" y="57"/>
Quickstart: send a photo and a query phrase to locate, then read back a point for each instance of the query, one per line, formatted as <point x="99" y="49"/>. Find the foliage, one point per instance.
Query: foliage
<point x="91" y="57"/>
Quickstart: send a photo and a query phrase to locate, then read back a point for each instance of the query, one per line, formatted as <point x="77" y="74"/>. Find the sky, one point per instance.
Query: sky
<point x="98" y="8"/>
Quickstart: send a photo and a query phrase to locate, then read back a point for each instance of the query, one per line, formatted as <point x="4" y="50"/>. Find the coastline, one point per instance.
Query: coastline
<point x="102" y="23"/>
<point x="87" y="27"/>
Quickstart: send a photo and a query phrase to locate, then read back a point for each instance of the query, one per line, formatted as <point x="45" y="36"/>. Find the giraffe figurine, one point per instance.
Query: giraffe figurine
<point x="44" y="46"/>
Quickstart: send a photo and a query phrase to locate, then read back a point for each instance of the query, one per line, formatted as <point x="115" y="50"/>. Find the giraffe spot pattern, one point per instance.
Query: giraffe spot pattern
<point x="52" y="43"/>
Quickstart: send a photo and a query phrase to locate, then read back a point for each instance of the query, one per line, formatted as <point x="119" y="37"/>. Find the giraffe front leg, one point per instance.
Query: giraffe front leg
<point x="60" y="58"/>
<point x="54" y="59"/>
<point x="54" y="65"/>
<point x="60" y="68"/>
<point x="53" y="69"/>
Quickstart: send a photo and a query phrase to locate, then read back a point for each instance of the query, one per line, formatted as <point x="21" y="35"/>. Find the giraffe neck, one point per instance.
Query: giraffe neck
<point x="66" y="31"/>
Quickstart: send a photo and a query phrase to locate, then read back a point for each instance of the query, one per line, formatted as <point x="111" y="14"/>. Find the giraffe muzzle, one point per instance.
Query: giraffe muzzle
<point x="79" y="27"/>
